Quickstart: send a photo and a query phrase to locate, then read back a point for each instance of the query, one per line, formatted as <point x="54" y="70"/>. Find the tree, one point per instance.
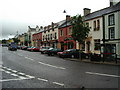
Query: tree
<point x="80" y="30"/>
<point x="16" y="40"/>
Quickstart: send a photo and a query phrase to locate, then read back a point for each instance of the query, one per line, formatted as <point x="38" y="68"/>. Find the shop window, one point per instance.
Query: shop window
<point x="97" y="44"/>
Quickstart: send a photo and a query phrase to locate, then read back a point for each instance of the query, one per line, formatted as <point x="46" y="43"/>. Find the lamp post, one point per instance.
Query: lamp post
<point x="66" y="28"/>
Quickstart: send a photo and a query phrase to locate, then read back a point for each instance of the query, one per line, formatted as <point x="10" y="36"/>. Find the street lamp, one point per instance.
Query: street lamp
<point x="66" y="27"/>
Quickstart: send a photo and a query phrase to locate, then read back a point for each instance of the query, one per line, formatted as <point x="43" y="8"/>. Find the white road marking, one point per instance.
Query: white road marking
<point x="20" y="55"/>
<point x="21" y="73"/>
<point x="7" y="71"/>
<point x="14" y="71"/>
<point x="51" y="65"/>
<point x="29" y="58"/>
<point x="29" y="76"/>
<point x="1" y="69"/>
<point x="13" y="79"/>
<point x="14" y="75"/>
<point x="43" y="79"/>
<point x="101" y="74"/>
<point x="58" y="83"/>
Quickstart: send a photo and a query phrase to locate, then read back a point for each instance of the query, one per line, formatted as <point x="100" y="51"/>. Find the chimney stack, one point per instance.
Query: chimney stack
<point x="86" y="11"/>
<point x="113" y="2"/>
<point x="68" y="17"/>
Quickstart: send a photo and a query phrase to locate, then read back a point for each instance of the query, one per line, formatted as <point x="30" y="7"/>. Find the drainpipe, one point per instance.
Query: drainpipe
<point x="103" y="37"/>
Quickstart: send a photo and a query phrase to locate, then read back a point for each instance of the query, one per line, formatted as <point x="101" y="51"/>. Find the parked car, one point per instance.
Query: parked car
<point x="53" y="51"/>
<point x="34" y="49"/>
<point x="24" y="47"/>
<point x="19" y="47"/>
<point x="43" y="49"/>
<point x="70" y="53"/>
<point x="29" y="48"/>
<point x="12" y="46"/>
<point x="4" y="45"/>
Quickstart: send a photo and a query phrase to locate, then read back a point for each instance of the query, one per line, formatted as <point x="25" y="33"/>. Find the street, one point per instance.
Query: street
<point x="24" y="69"/>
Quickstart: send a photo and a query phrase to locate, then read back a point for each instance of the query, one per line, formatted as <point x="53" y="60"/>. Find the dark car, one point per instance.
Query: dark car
<point x="53" y="51"/>
<point x="70" y="53"/>
<point x="73" y="53"/>
<point x="43" y="49"/>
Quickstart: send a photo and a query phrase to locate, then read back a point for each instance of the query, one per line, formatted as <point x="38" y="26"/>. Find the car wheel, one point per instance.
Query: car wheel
<point x="52" y="54"/>
<point x="72" y="56"/>
<point x="41" y="52"/>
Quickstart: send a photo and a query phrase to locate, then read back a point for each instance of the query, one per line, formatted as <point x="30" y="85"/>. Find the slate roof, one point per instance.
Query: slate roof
<point x="103" y="11"/>
<point x="65" y="24"/>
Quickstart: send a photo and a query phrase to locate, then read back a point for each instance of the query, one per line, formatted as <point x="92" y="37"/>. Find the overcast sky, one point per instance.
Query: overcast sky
<point x="17" y="15"/>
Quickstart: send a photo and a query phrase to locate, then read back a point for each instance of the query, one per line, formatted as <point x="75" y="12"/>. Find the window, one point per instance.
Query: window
<point x="48" y="36"/>
<point x="87" y="24"/>
<point x="61" y="32"/>
<point x="98" y="24"/>
<point x="51" y="36"/>
<point x="83" y="46"/>
<point x="70" y="31"/>
<point x="111" y="20"/>
<point x="55" y="36"/>
<point x="111" y="33"/>
<point x="97" y="44"/>
<point x="94" y="25"/>
<point x="43" y="38"/>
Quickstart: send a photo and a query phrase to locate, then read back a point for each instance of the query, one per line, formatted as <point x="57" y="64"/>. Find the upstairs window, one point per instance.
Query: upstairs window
<point x="98" y="24"/>
<point x="111" y="20"/>
<point x="94" y="25"/>
<point x="51" y="37"/>
<point x="61" y="32"/>
<point x="55" y="36"/>
<point x="70" y="31"/>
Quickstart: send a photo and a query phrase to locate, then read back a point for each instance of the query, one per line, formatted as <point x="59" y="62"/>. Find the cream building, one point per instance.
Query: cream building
<point x="50" y="35"/>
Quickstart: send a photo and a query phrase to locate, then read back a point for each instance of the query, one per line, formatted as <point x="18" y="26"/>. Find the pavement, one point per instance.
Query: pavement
<point x="95" y="62"/>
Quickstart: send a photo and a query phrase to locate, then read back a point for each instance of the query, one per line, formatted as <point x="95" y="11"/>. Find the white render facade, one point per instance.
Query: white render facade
<point x="113" y="36"/>
<point x="95" y="35"/>
<point x="50" y="36"/>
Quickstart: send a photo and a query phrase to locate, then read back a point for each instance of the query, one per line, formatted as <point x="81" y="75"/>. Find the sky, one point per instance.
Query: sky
<point x="17" y="15"/>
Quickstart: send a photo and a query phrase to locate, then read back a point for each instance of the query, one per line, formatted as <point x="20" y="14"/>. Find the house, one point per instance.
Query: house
<point x="37" y="38"/>
<point x="104" y="30"/>
<point x="30" y="32"/>
<point x="50" y="35"/>
<point x="111" y="30"/>
<point x="64" y="35"/>
<point x="95" y="22"/>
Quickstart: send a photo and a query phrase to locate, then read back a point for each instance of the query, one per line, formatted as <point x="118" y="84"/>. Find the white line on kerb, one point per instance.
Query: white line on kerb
<point x="101" y="74"/>
<point x="51" y="65"/>
<point x="58" y="83"/>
